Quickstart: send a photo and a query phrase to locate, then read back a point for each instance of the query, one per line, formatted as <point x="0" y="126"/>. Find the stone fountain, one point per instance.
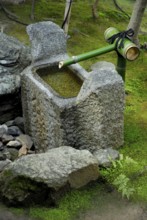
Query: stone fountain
<point x="91" y="118"/>
<point x="74" y="117"/>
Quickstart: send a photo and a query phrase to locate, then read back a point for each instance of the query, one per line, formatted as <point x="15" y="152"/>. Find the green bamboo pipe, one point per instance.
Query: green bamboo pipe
<point x="121" y="61"/>
<point x="129" y="52"/>
<point x="87" y="55"/>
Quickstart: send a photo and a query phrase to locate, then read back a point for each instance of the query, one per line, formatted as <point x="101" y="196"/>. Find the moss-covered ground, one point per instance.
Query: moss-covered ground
<point x="87" y="34"/>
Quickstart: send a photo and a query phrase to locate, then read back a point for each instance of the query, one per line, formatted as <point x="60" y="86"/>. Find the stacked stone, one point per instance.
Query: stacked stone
<point x="55" y="171"/>
<point x="13" y="142"/>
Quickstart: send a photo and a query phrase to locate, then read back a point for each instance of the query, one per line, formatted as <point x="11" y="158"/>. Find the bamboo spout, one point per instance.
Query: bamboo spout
<point x="129" y="51"/>
<point x="86" y="56"/>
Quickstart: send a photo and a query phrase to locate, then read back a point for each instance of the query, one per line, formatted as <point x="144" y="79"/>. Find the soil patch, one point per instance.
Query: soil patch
<point x="111" y="206"/>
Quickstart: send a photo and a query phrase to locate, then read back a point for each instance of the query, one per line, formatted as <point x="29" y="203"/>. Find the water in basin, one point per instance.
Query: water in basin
<point x="64" y="81"/>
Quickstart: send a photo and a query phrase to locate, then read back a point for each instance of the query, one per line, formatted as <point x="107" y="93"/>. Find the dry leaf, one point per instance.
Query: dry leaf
<point x="23" y="150"/>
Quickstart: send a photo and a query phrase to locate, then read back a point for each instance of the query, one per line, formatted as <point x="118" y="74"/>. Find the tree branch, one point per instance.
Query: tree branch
<point x="120" y="9"/>
<point x="10" y="15"/>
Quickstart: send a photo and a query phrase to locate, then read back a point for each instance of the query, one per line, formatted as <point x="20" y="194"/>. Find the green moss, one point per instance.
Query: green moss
<point x="141" y="188"/>
<point x="22" y="184"/>
<point x="70" y="205"/>
<point x="64" y="82"/>
<point x="18" y="185"/>
<point x="7" y="173"/>
<point x="20" y="190"/>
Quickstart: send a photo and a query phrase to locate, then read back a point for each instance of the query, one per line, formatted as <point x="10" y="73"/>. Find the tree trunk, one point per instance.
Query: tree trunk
<point x="136" y="18"/>
<point x="67" y="14"/>
<point x="94" y="9"/>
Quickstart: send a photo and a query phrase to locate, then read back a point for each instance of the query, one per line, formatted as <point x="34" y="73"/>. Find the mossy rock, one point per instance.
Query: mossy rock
<point x="22" y="191"/>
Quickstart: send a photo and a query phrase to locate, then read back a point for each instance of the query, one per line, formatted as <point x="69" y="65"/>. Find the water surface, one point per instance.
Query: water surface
<point x="64" y="81"/>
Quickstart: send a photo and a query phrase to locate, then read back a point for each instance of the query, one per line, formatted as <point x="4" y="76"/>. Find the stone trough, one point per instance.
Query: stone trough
<point x="83" y="110"/>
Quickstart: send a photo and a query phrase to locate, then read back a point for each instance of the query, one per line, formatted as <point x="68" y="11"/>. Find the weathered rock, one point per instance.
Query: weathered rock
<point x="14" y="144"/>
<point x="11" y="154"/>
<point x="3" y="155"/>
<point x="31" y="152"/>
<point x="3" y="130"/>
<point x="100" y="106"/>
<point x="6" y="138"/>
<point x="23" y="151"/>
<point x="9" y="123"/>
<point x="19" y="121"/>
<point x="48" y="41"/>
<point x="14" y="57"/>
<point x="1" y="146"/>
<point x="106" y="156"/>
<point x="14" y="130"/>
<point x="4" y="163"/>
<point x="46" y="173"/>
<point x="25" y="139"/>
<point x="102" y="65"/>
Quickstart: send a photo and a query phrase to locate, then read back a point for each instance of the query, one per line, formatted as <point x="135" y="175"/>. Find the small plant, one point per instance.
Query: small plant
<point x="116" y="163"/>
<point x="120" y="176"/>
<point x="122" y="184"/>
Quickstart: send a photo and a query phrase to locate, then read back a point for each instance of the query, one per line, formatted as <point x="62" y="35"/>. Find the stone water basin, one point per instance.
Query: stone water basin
<point x="72" y="107"/>
<point x="64" y="82"/>
<point x="49" y="104"/>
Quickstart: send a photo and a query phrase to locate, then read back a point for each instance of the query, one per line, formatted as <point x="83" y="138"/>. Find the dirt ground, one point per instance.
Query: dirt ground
<point x="110" y="206"/>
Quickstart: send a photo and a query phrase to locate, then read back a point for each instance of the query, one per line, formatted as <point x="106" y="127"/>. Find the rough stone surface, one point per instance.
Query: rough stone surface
<point x="1" y="146"/>
<point x="3" y="155"/>
<point x="14" y="130"/>
<point x="23" y="151"/>
<point x="106" y="156"/>
<point x="102" y="65"/>
<point x="25" y="140"/>
<point x="9" y="123"/>
<point x="14" y="144"/>
<point x="100" y="106"/>
<point x="11" y="153"/>
<point x="3" y="164"/>
<point x="92" y="120"/>
<point x="3" y="130"/>
<point x="56" y="168"/>
<point x="48" y="41"/>
<point x="14" y="57"/>
<point x="6" y="138"/>
<point x="19" y="121"/>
